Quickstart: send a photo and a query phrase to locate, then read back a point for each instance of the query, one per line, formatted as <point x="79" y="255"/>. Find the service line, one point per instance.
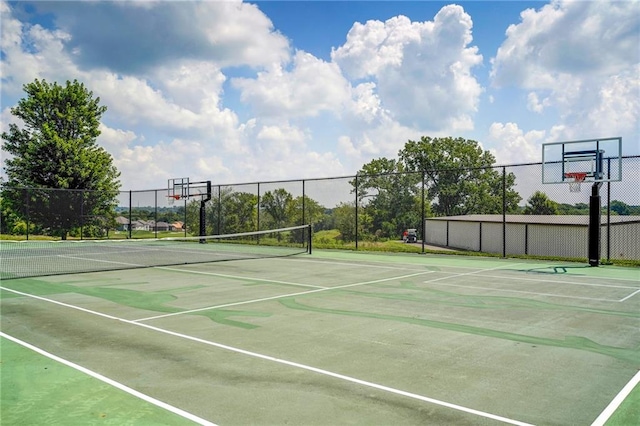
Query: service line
<point x="294" y="364"/>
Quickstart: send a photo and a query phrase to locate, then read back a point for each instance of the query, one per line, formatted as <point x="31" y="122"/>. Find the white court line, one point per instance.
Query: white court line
<point x="111" y="382"/>
<point x="277" y="297"/>
<point x="351" y="264"/>
<point x="293" y="364"/>
<point x="99" y="260"/>
<point x="516" y="278"/>
<point x="629" y="296"/>
<point x="615" y="403"/>
<point x="238" y="277"/>
<point x="471" y="273"/>
<point x="526" y="292"/>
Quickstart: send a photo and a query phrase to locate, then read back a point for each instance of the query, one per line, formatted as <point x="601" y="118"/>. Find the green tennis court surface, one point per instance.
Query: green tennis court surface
<point x="328" y="338"/>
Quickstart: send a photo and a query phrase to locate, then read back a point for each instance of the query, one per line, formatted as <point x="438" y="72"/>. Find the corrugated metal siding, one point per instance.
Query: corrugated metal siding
<point x="569" y="240"/>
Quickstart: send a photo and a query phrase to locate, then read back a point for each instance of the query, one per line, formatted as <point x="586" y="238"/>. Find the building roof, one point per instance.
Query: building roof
<point x="538" y="219"/>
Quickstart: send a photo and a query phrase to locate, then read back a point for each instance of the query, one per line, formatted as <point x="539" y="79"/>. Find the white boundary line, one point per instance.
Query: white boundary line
<point x="615" y="403"/>
<point x="111" y="382"/>
<point x="407" y="266"/>
<point x="290" y="363"/>
<point x="367" y="264"/>
<point x="275" y="297"/>
<point x="236" y="277"/>
<point x="526" y="292"/>
<point x="629" y="296"/>
<point x="511" y="278"/>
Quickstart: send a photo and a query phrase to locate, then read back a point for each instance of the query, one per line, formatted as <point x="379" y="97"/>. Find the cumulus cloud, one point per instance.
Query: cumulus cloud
<point x="164" y="123"/>
<point x="422" y="70"/>
<point x="568" y="38"/>
<point x="154" y="33"/>
<point x="513" y="145"/>
<point x="308" y="87"/>
<point x="581" y="58"/>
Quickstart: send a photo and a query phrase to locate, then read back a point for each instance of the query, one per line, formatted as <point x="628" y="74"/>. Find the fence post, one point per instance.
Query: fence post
<point x="303" y="204"/>
<point x="26" y="191"/>
<point x="356" y="233"/>
<point x="258" y="215"/>
<point x="155" y="212"/>
<point x="504" y="212"/>
<point x="609" y="211"/>
<point x="422" y="217"/>
<point x="130" y="213"/>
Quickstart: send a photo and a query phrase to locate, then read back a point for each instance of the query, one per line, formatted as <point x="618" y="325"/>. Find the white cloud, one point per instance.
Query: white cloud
<point x="422" y="69"/>
<point x="534" y="104"/>
<point x="311" y="86"/>
<point x="563" y="38"/>
<point x="29" y="52"/>
<point x="229" y="33"/>
<point x="584" y="57"/>
<point x="164" y="124"/>
<point x="513" y="145"/>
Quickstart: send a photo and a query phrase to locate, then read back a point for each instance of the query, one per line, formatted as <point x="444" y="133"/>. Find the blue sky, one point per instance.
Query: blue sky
<point x="241" y="92"/>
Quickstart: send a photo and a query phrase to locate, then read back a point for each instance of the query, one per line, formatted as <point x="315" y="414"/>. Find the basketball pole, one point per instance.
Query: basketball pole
<point x="203" y="212"/>
<point x="594" y="225"/>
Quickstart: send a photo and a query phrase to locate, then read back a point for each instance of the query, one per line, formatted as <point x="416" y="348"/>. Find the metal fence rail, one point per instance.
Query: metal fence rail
<point x="347" y="212"/>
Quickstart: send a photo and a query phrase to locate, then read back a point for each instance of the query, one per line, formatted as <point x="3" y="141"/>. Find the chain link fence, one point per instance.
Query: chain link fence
<point x="504" y="210"/>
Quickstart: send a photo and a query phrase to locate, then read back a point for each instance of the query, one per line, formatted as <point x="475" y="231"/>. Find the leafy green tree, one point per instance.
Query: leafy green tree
<point x="460" y="176"/>
<point x="276" y="204"/>
<point x="314" y="214"/>
<point x="620" y="208"/>
<point x="539" y="203"/>
<point x="389" y="196"/>
<point x="55" y="152"/>
<point x="238" y="212"/>
<point x="345" y="220"/>
<point x="573" y="209"/>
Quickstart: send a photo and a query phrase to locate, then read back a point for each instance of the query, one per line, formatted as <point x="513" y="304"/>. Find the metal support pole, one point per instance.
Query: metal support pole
<point x="422" y="217"/>
<point x="504" y="212"/>
<point x="356" y="230"/>
<point x="203" y="220"/>
<point x="609" y="210"/>
<point x="130" y="213"/>
<point x="219" y="230"/>
<point x="594" y="225"/>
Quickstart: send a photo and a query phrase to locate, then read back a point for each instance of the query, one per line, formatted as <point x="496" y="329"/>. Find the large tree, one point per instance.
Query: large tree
<point x="390" y="196"/>
<point x="238" y="212"/>
<point x="460" y="176"/>
<point x="54" y="151"/>
<point x="539" y="203"/>
<point x="276" y="204"/>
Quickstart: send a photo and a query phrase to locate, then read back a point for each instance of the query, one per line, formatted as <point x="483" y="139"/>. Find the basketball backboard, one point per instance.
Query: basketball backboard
<point x="182" y="188"/>
<point x="597" y="160"/>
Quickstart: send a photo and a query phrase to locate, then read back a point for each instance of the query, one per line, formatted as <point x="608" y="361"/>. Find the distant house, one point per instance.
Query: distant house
<point x="177" y="226"/>
<point x="122" y="223"/>
<point x="160" y="226"/>
<point x="140" y="225"/>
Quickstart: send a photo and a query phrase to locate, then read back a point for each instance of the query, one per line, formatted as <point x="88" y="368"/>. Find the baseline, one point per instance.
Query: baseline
<point x="615" y="403"/>
<point x="526" y="292"/>
<point x="290" y="363"/>
<point x="111" y="382"/>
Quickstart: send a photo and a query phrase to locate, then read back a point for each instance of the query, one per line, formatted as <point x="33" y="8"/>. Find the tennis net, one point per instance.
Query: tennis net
<point x="23" y="259"/>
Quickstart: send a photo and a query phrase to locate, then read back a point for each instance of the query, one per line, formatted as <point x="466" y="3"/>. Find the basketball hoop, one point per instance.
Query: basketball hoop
<point x="575" y="179"/>
<point x="173" y="198"/>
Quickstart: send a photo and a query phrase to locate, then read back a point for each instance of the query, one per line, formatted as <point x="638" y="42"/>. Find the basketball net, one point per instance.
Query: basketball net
<point x="575" y="179"/>
<point x="173" y="198"/>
